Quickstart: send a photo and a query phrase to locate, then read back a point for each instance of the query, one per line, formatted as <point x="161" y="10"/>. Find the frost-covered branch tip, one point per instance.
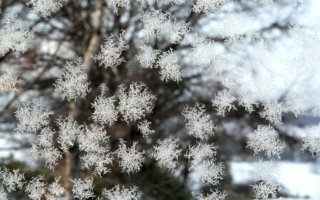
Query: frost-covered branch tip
<point x="157" y="24"/>
<point x="136" y="102"/>
<point x="9" y="80"/>
<point x="69" y="129"/>
<point x="44" y="148"/>
<point x="110" y="53"/>
<point x="105" y="111"/>
<point x="55" y="190"/>
<point x="166" y="153"/>
<point x="265" y="138"/>
<point x="36" y="188"/>
<point x="224" y="102"/>
<point x="83" y="188"/>
<point x="14" y="37"/>
<point x="199" y="124"/>
<point x="31" y="116"/>
<point x="169" y="67"/>
<point x="208" y="6"/>
<point x="312" y="141"/>
<point x="201" y="152"/>
<point x="94" y="141"/>
<point x="265" y="184"/>
<point x="215" y="195"/>
<point x="144" y="128"/>
<point x="148" y="56"/>
<point x="272" y="111"/>
<point x="12" y="180"/>
<point x="116" y="193"/>
<point x="72" y="82"/>
<point x="44" y="8"/>
<point x="210" y="171"/>
<point x="130" y="158"/>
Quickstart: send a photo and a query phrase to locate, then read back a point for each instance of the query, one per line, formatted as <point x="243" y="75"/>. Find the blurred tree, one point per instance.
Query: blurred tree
<point x="122" y="42"/>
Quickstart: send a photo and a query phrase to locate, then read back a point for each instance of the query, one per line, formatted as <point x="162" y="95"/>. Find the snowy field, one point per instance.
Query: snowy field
<point x="298" y="179"/>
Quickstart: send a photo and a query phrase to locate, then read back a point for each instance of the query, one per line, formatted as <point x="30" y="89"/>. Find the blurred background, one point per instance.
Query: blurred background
<point x="80" y="27"/>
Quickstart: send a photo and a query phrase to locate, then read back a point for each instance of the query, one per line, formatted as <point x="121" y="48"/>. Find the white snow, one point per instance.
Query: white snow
<point x="301" y="179"/>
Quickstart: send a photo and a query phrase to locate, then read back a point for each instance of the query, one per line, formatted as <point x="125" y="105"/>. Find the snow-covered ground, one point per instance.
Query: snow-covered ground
<point x="299" y="179"/>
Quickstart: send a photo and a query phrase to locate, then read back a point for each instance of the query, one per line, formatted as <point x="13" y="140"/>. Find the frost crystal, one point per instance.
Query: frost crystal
<point x="272" y="111"/>
<point x="110" y="54"/>
<point x="135" y="103"/>
<point x="93" y="140"/>
<point x="176" y="31"/>
<point x="207" y="6"/>
<point x="36" y="188"/>
<point x="13" y="37"/>
<point x="51" y="156"/>
<point x="3" y="194"/>
<point x="83" y="188"/>
<point x="223" y="101"/>
<point x="144" y="128"/>
<point x="8" y="80"/>
<point x="312" y="141"/>
<point x="116" y="4"/>
<point x="298" y="103"/>
<point x="200" y="152"/>
<point x="215" y="195"/>
<point x="265" y="184"/>
<point x="49" y="153"/>
<point x="247" y="100"/>
<point x="72" y="82"/>
<point x="166" y="153"/>
<point x="55" y="190"/>
<point x="12" y="180"/>
<point x="131" y="159"/>
<point x="117" y="193"/>
<point x="169" y="68"/>
<point x="31" y="116"/>
<point x="45" y="138"/>
<point x="159" y="24"/>
<point x="44" y="8"/>
<point x="148" y="56"/>
<point x="68" y="132"/>
<point x="105" y="111"/>
<point x="200" y="125"/>
<point x="154" y="23"/>
<point x="210" y="171"/>
<point x="265" y="138"/>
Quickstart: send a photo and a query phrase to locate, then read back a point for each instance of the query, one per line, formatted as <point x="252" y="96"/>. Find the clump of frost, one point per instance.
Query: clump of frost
<point x="105" y="111"/>
<point x="265" y="138"/>
<point x="130" y="158"/>
<point x="199" y="124"/>
<point x="144" y="128"/>
<point x="224" y="102"/>
<point x="83" y="188"/>
<point x="72" y="82"/>
<point x="116" y="193"/>
<point x="166" y="153"/>
<point x="31" y="116"/>
<point x="135" y="103"/>
<point x="110" y="53"/>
